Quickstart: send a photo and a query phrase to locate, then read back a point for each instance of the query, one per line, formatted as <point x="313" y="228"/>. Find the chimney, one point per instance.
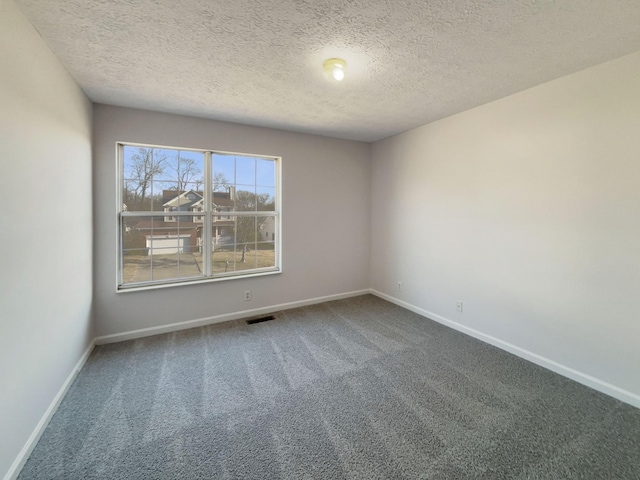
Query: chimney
<point x="232" y="193"/>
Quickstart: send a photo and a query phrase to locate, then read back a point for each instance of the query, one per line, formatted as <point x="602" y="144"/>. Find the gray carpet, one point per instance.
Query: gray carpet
<point x="353" y="389"/>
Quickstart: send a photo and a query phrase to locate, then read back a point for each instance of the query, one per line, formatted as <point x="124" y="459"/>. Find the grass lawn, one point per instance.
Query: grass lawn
<point x="253" y="259"/>
<point x="139" y="268"/>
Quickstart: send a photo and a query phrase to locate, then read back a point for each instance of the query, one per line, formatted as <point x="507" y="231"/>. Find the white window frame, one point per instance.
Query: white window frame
<point x="207" y="215"/>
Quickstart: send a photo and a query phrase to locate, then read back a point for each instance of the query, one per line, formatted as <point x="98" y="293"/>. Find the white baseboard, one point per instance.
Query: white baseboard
<point x="173" y="327"/>
<point x="573" y="374"/>
<point x="23" y="456"/>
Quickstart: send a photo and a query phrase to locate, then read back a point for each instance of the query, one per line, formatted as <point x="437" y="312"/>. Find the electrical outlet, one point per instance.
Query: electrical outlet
<point x="399" y="286"/>
<point x="459" y="306"/>
<point x="247" y="295"/>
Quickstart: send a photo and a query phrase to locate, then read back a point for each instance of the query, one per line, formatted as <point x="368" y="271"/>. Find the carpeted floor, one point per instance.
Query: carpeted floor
<point x="358" y="389"/>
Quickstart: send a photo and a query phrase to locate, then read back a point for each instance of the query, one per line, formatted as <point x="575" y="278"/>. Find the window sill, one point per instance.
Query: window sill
<point x="186" y="282"/>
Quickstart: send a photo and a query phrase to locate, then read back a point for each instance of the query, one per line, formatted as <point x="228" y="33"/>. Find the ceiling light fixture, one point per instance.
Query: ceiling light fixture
<point x="334" y="69"/>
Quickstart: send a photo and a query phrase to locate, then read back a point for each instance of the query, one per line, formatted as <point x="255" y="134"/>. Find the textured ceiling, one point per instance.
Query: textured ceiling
<point x="409" y="62"/>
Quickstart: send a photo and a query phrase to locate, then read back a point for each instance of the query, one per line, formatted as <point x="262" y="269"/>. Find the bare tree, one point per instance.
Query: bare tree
<point x="143" y="166"/>
<point x="187" y="172"/>
<point x="220" y="182"/>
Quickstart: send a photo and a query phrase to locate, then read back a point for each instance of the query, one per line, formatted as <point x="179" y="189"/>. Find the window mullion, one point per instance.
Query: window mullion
<point x="207" y="241"/>
<point x="120" y="209"/>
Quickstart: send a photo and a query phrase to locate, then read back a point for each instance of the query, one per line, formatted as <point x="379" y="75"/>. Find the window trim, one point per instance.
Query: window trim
<point x="207" y="223"/>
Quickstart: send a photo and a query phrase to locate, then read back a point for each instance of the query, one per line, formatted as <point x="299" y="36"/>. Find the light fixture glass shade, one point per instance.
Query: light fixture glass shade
<point x="334" y="69"/>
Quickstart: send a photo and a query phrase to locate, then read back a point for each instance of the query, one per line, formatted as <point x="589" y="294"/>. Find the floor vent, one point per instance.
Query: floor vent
<point x="260" y="320"/>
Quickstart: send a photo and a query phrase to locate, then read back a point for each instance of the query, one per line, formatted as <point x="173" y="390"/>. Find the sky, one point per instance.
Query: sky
<point x="250" y="173"/>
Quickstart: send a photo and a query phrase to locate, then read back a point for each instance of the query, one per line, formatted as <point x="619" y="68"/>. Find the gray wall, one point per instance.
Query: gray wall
<point x="527" y="210"/>
<point x="325" y="220"/>
<point x="45" y="239"/>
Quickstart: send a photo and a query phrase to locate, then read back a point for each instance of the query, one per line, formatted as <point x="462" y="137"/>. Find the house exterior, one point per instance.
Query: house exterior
<point x="268" y="230"/>
<point x="187" y="201"/>
<point x="173" y="233"/>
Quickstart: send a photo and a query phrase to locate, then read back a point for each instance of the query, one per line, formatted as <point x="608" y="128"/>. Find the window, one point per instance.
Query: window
<point x="191" y="215"/>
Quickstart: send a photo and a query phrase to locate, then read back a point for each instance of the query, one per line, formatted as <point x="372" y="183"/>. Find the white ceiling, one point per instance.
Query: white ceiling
<point x="409" y="62"/>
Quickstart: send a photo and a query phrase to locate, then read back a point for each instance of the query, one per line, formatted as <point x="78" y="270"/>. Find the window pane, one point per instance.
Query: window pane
<point x="246" y="230"/>
<point x="266" y="229"/>
<point x="136" y="266"/>
<point x="235" y="247"/>
<point x="174" y="247"/>
<point x="245" y="256"/>
<point x="222" y="231"/>
<point x="223" y="248"/>
<point x="245" y="199"/>
<point x="266" y="172"/>
<point x="189" y="265"/>
<point x="223" y="171"/>
<point x="193" y="201"/>
<point x="223" y="260"/>
<point x="188" y="200"/>
<point x="180" y="168"/>
<point x="130" y="235"/>
<point x="174" y="168"/>
<point x="187" y="233"/>
<point x="162" y="243"/>
<point x="245" y="170"/>
<point x="164" y="162"/>
<point x="167" y="161"/>
<point x="164" y="263"/>
<point x="162" y="193"/>
<point x="223" y="200"/>
<point x="266" y="199"/>
<point x="156" y="249"/>
<point x="141" y="167"/>
<point x="190" y="171"/>
<point x="136" y="263"/>
<point x="199" y="259"/>
<point x="266" y="255"/>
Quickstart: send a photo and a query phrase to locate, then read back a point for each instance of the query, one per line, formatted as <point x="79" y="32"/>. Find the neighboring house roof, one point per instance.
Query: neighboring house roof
<point x="222" y="199"/>
<point x="182" y="199"/>
<point x="174" y="199"/>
